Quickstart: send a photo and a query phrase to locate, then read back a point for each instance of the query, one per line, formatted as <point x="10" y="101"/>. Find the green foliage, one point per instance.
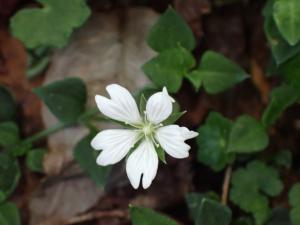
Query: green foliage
<point x="7" y="105"/>
<point x="283" y="158"/>
<point x="247" y="136"/>
<point x="281" y="98"/>
<point x="9" y="175"/>
<point x="280" y="216"/>
<point x="50" y="25"/>
<point x="169" y="68"/>
<point x="281" y="49"/>
<point x="216" y="73"/>
<point x="86" y="156"/>
<point x="65" y="98"/>
<point x="252" y="185"/>
<point x="213" y="213"/>
<point x="171" y="31"/>
<point x="145" y="216"/>
<point x="34" y="160"/>
<point x="207" y="211"/>
<point x="213" y="142"/>
<point x="9" y="134"/>
<point x="220" y="139"/>
<point x="291" y="72"/>
<point x="294" y="200"/>
<point x="9" y="214"/>
<point x="194" y="200"/>
<point x="287" y="17"/>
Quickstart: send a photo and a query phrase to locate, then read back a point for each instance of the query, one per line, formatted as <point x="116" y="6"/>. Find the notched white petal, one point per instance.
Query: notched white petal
<point x="159" y="106"/>
<point x="121" y="106"/>
<point x="115" y="144"/>
<point x="172" y="137"/>
<point x="143" y="161"/>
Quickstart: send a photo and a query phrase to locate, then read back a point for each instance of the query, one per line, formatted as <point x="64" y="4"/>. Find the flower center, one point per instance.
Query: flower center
<point x="148" y="129"/>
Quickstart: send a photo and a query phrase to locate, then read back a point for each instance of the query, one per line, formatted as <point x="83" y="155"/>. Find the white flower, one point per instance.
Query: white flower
<point x="147" y="133"/>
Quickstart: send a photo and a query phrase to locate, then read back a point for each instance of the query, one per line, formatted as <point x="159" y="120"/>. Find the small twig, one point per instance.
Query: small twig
<point x="226" y="184"/>
<point x="96" y="215"/>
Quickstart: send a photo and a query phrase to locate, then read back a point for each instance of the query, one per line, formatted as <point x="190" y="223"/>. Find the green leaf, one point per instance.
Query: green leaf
<point x="86" y="156"/>
<point x="9" y="214"/>
<point x="283" y="158"/>
<point x="194" y="201"/>
<point x="216" y="73"/>
<point x="145" y="216"/>
<point x="9" y="134"/>
<point x="280" y="216"/>
<point x="195" y="78"/>
<point x="171" y="31"/>
<point x="50" y="25"/>
<point x="281" y="49"/>
<point x="169" y="68"/>
<point x="252" y="185"/>
<point x="161" y="154"/>
<point x="7" y="105"/>
<point x="247" y="136"/>
<point x="213" y="140"/>
<point x="291" y="72"/>
<point x="173" y="117"/>
<point x="65" y="98"/>
<point x="213" y="213"/>
<point x="9" y="175"/>
<point x="34" y="160"/>
<point x="294" y="200"/>
<point x="287" y="17"/>
<point x="281" y="98"/>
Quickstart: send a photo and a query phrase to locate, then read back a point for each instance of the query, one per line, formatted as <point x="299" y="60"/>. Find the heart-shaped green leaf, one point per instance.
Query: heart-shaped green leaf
<point x="216" y="73"/>
<point x="51" y="25"/>
<point x="171" y="31"/>
<point x="65" y="98"/>
<point x="169" y="67"/>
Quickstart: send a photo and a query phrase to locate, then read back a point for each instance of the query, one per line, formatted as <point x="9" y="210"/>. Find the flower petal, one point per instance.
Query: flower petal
<point x="172" y="137"/>
<point x="159" y="106"/>
<point x="143" y="160"/>
<point x="121" y="106"/>
<point x="115" y="144"/>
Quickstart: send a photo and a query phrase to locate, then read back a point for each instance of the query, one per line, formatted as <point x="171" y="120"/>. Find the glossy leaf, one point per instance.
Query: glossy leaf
<point x="86" y="156"/>
<point x="9" y="175"/>
<point x="171" y="31"/>
<point x="9" y="214"/>
<point x="287" y="17"/>
<point x="216" y="73"/>
<point x="7" y="105"/>
<point x="247" y="136"/>
<point x="65" y="98"/>
<point x="281" y="98"/>
<point x="213" y="141"/>
<point x="145" y="216"/>
<point x="51" y="25"/>
<point x="281" y="49"/>
<point x="252" y="185"/>
<point x="168" y="68"/>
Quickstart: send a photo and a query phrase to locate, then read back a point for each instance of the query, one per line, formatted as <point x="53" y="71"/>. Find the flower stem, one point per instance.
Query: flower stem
<point x="226" y="184"/>
<point x="87" y="115"/>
